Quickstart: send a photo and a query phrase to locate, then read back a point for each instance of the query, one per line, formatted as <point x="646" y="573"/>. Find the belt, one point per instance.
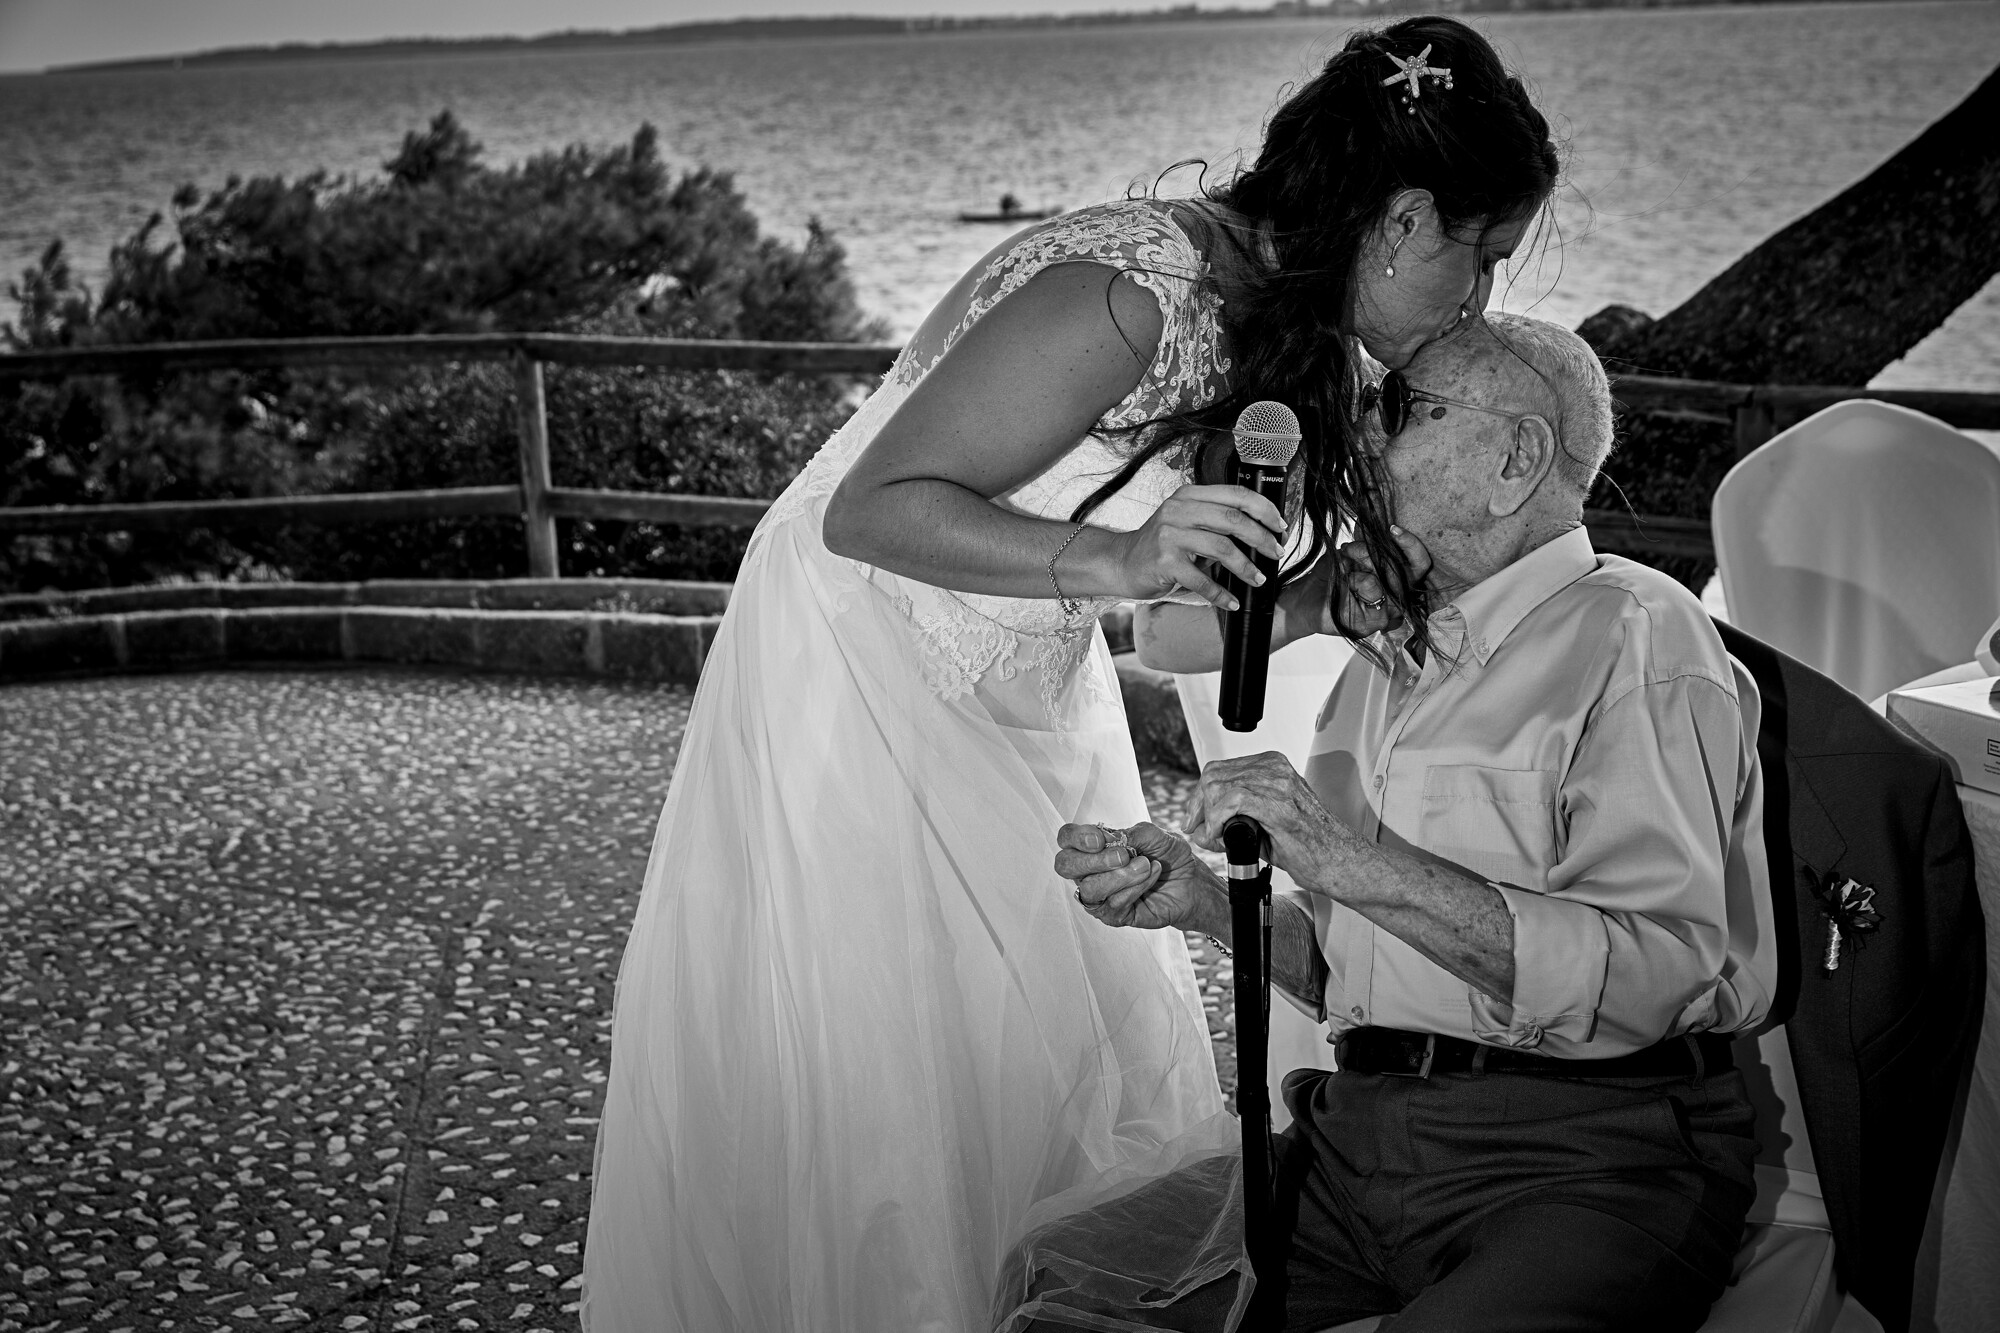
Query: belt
<point x="1402" y="1054"/>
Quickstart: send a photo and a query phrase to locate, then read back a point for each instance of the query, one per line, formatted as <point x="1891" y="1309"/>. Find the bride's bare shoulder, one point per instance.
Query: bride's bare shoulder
<point x="1120" y="235"/>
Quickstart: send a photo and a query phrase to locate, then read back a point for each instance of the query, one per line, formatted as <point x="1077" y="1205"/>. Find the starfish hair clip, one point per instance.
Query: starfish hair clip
<point x="1412" y="72"/>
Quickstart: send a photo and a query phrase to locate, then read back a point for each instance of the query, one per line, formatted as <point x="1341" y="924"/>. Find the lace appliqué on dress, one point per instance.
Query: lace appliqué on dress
<point x="962" y="637"/>
<point x="1140" y="238"/>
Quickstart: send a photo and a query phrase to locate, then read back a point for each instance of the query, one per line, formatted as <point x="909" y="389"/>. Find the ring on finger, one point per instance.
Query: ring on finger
<point x="1375" y="605"/>
<point x="1114" y="837"/>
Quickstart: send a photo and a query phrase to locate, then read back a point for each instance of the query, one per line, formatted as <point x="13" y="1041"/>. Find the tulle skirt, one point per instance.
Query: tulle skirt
<point x="861" y="1026"/>
<point x="1115" y="1252"/>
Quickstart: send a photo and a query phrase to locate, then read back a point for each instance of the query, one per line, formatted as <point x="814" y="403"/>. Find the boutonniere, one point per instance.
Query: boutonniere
<point x="1850" y="911"/>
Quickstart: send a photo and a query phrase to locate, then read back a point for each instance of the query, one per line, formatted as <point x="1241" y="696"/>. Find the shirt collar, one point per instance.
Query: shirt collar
<point x="1490" y="609"/>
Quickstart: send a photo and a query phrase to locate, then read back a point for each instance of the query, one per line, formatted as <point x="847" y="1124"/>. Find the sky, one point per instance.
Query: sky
<point x="35" y="34"/>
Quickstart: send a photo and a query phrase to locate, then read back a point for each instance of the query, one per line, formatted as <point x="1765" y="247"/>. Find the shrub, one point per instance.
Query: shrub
<point x="579" y="240"/>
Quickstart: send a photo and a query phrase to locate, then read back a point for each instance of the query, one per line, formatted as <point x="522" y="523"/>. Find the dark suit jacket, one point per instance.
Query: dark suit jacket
<point x="1881" y="1043"/>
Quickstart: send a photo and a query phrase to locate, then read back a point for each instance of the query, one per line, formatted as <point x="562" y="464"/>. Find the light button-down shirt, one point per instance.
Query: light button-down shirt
<point x="1577" y="738"/>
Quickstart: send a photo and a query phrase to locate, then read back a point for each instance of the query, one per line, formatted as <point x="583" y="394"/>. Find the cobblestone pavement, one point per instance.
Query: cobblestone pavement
<point x="305" y="985"/>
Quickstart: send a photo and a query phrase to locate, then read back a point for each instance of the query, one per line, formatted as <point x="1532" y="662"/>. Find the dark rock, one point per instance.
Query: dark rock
<point x="1611" y="325"/>
<point x="1153" y="712"/>
<point x="1117" y="625"/>
<point x="1840" y="293"/>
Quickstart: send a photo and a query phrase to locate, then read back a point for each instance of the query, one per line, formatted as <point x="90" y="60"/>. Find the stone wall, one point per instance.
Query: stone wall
<point x="620" y="629"/>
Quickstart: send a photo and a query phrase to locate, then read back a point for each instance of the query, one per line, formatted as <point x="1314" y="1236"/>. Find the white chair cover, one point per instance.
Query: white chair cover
<point x="1864" y="541"/>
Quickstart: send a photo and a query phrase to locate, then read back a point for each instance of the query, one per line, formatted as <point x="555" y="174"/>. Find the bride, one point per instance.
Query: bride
<point x="860" y="1025"/>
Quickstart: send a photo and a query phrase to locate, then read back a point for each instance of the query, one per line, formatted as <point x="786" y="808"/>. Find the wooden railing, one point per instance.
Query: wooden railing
<point x="1755" y="412"/>
<point x="537" y="501"/>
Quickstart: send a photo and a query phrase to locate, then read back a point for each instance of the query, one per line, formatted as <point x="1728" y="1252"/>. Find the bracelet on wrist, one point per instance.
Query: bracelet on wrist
<point x="1070" y="605"/>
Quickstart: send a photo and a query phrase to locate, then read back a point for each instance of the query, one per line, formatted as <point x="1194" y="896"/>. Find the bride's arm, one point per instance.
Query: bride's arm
<point x="1017" y="390"/>
<point x="1171" y="636"/>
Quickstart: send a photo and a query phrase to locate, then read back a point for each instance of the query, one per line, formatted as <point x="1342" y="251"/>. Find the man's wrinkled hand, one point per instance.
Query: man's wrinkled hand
<point x="1366" y="600"/>
<point x="1303" y="835"/>
<point x="1154" y="880"/>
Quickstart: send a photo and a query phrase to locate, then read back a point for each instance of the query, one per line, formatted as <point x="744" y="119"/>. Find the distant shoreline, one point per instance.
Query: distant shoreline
<point x="765" y="29"/>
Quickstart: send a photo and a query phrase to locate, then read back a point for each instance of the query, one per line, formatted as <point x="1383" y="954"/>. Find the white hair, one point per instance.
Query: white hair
<point x="1575" y="380"/>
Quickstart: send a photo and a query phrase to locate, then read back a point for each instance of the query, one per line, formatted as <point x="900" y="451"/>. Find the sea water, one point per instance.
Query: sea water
<point x="1691" y="134"/>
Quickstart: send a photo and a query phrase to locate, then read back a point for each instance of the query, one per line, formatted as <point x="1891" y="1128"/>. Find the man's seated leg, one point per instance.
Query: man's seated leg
<point x="1539" y="1204"/>
<point x="1558" y="1267"/>
<point x="1126" y="1260"/>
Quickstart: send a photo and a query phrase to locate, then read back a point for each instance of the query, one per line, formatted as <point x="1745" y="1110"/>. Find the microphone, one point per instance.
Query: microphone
<point x="1267" y="435"/>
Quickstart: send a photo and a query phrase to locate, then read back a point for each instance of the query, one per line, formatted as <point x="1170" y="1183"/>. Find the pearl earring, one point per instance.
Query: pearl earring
<point x="1390" y="270"/>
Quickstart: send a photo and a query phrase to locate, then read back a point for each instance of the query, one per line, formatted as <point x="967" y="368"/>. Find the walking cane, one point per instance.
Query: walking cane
<point x="1267" y="436"/>
<point x="1250" y="924"/>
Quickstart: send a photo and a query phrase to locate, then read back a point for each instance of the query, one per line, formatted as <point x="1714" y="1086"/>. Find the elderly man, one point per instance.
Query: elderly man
<point x="1532" y="901"/>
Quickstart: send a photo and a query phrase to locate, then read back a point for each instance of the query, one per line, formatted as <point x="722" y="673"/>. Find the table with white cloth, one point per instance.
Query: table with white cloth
<point x="1961" y="1253"/>
<point x="1958" y="1269"/>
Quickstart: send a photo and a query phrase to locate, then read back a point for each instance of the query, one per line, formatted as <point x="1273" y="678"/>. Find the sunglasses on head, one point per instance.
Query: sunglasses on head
<point x="1392" y="399"/>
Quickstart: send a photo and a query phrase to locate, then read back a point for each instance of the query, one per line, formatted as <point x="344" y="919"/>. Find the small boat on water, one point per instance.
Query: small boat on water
<point x="1012" y="210"/>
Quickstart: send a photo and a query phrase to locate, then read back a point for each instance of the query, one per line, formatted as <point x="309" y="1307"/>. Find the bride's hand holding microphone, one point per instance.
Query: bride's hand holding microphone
<point x="1198" y="528"/>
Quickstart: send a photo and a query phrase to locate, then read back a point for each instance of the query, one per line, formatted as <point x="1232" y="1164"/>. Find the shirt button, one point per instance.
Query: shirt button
<point x="1357" y="1013"/>
<point x="1378" y="782"/>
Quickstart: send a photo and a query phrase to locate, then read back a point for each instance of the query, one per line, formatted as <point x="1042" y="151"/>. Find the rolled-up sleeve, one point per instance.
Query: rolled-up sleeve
<point x="1624" y="944"/>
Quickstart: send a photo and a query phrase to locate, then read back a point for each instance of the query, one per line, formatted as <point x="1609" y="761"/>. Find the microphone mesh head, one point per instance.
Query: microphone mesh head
<point x="1267" y="434"/>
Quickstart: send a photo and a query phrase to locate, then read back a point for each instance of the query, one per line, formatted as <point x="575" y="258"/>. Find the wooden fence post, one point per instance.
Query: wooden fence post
<point x="1755" y="423"/>
<point x="532" y="406"/>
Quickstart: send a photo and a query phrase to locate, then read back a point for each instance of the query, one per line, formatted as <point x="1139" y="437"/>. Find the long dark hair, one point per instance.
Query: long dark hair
<point x="1334" y="155"/>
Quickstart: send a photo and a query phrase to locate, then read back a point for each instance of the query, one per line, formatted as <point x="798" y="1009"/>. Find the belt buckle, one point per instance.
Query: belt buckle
<point x="1423" y="1069"/>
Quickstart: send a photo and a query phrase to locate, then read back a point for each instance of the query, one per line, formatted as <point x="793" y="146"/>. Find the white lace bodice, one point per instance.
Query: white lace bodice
<point x="965" y="636"/>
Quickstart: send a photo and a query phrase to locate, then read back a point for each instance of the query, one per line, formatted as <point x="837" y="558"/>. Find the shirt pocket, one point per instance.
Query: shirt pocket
<point x="1498" y="823"/>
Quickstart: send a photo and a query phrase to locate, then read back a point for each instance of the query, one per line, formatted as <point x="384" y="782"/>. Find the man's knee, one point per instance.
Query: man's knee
<point x="1557" y="1266"/>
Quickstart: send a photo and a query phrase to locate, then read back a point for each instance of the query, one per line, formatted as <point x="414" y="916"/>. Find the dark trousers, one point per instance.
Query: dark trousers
<point x="1502" y="1202"/>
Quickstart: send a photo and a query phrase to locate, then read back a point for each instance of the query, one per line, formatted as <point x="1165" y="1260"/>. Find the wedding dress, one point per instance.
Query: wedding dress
<point x="861" y="1026"/>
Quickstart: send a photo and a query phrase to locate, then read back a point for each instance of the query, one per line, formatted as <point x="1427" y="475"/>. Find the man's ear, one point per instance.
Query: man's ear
<point x="1531" y="453"/>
